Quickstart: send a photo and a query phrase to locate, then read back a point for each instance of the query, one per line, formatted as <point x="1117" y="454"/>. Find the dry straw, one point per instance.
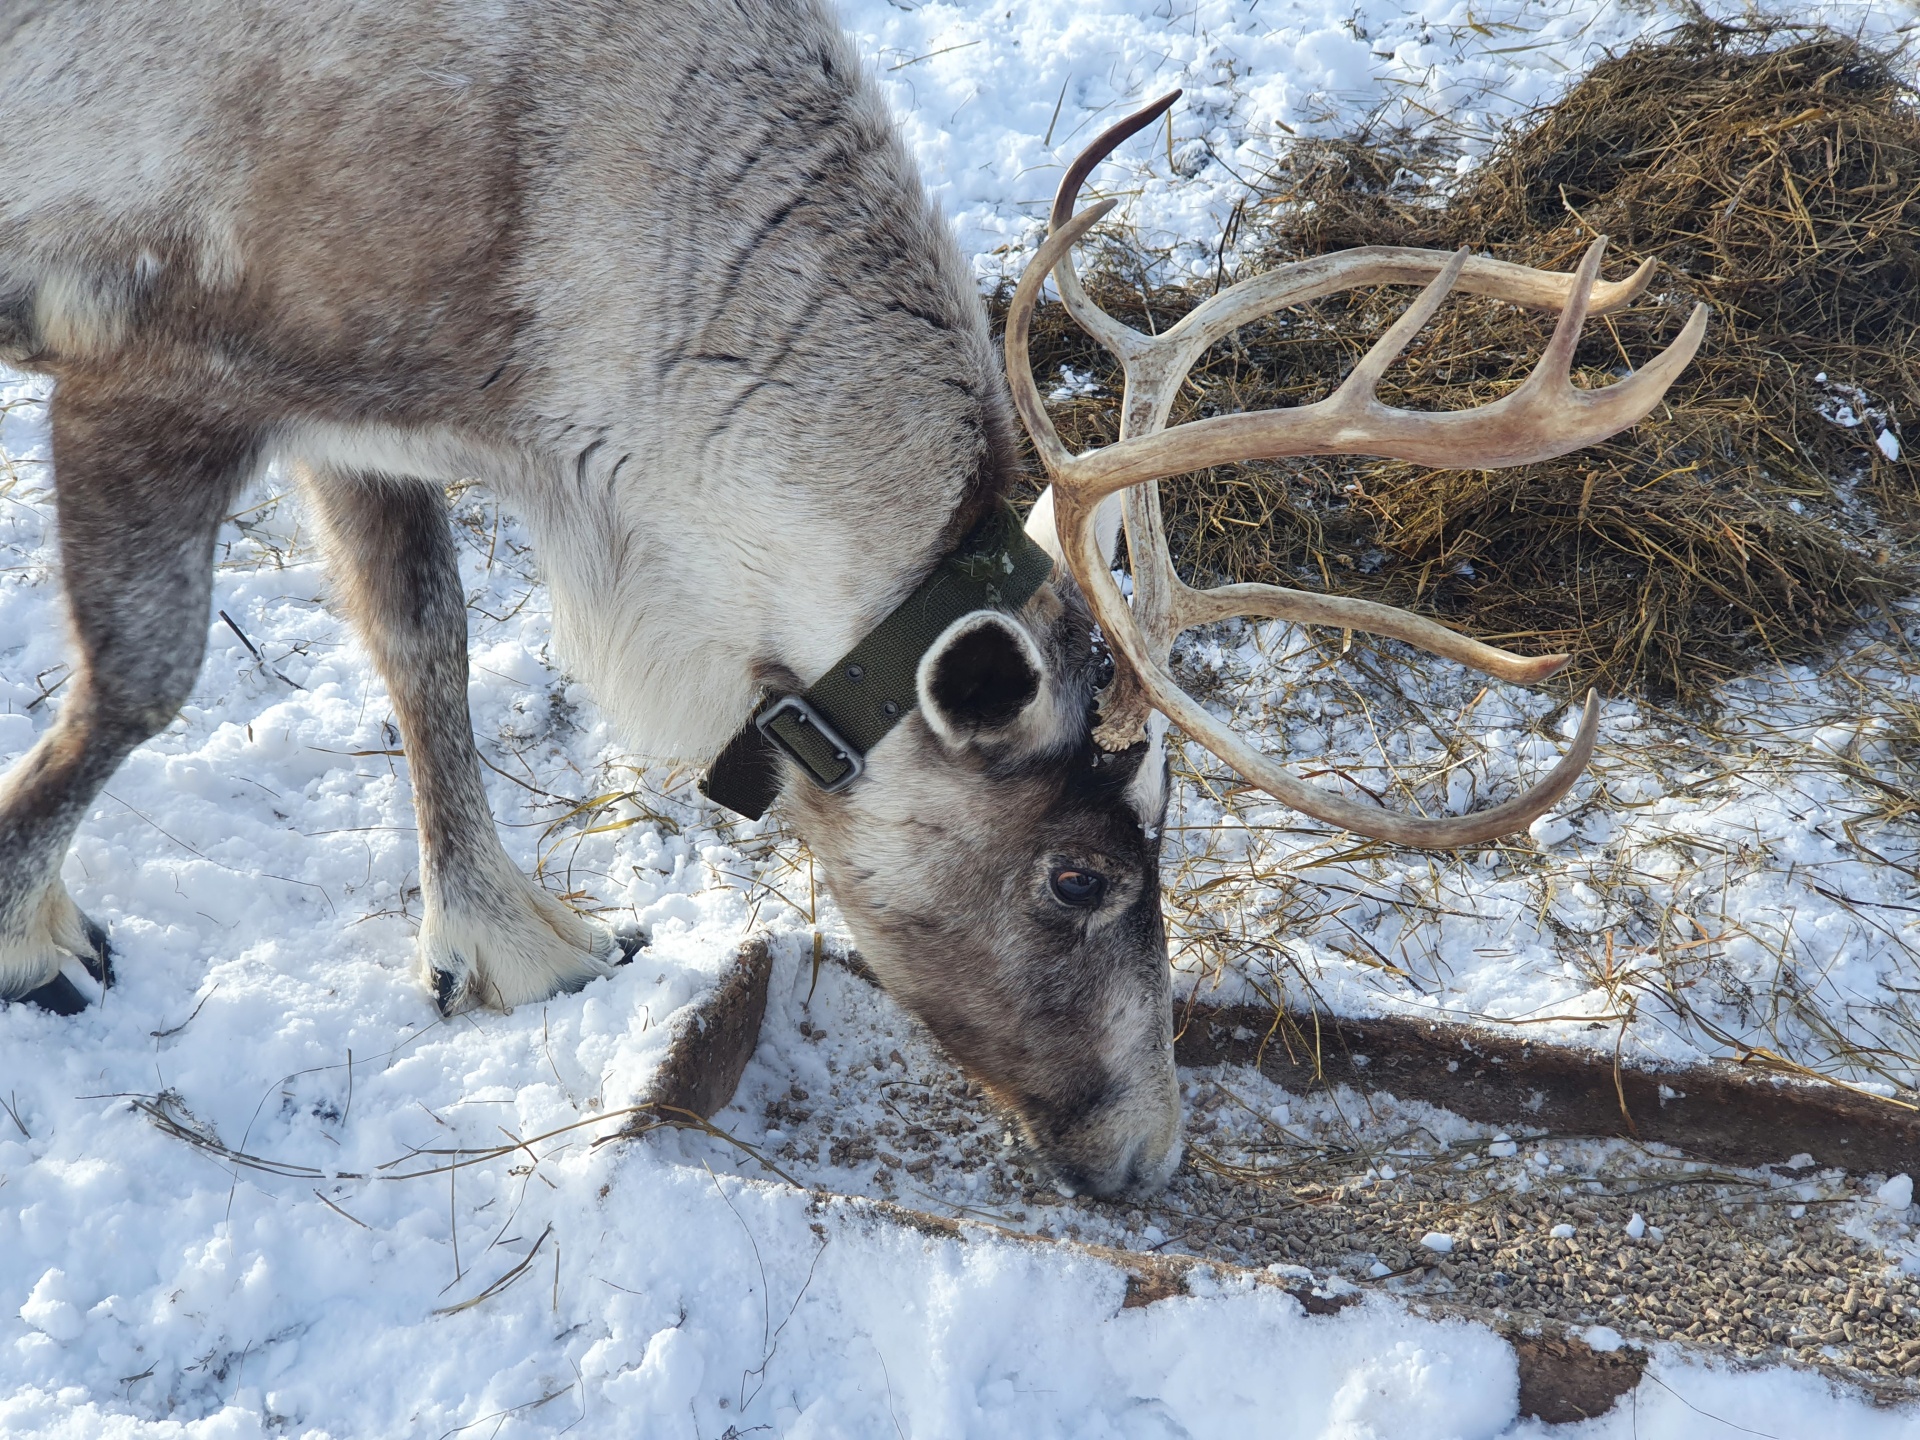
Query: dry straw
<point x="1775" y="173"/>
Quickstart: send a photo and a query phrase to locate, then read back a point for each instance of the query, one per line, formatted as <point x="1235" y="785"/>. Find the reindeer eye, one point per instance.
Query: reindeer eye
<point x="1080" y="889"/>
<point x="1102" y="664"/>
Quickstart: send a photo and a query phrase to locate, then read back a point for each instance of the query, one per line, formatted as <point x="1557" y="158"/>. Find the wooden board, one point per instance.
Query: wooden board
<point x="1714" y="1112"/>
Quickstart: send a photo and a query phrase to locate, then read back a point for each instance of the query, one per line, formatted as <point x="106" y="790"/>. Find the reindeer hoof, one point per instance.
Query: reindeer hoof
<point x="447" y="996"/>
<point x="60" y="996"/>
<point x="56" y="931"/>
<point x="100" y="963"/>
<point x="513" y="944"/>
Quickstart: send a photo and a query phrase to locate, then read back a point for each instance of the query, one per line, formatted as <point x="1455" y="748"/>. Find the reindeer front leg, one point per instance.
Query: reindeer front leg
<point x="141" y="480"/>
<point x="489" y="936"/>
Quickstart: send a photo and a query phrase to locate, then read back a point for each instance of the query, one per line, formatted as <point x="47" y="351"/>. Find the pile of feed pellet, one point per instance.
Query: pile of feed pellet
<point x="1594" y="1231"/>
<point x="848" y="1095"/>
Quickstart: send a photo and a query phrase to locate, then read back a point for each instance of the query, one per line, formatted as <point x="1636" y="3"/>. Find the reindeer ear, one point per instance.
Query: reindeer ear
<point x="979" y="677"/>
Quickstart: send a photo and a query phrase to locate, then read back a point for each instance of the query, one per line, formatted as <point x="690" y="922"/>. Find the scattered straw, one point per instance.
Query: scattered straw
<point x="1742" y="883"/>
<point x="169" y="1114"/>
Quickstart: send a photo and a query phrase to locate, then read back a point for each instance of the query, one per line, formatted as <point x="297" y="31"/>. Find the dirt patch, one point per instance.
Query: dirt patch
<point x="1775" y="174"/>
<point x="1563" y="1381"/>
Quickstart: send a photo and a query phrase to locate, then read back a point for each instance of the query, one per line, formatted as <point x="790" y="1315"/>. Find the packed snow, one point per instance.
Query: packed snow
<point x="256" y="866"/>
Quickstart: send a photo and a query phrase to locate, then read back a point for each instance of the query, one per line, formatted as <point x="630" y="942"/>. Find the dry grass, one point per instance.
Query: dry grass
<point x="1775" y="173"/>
<point x="1744" y="883"/>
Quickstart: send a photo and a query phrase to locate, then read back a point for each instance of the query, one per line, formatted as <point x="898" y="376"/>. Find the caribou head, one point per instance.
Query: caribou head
<point x="1035" y="770"/>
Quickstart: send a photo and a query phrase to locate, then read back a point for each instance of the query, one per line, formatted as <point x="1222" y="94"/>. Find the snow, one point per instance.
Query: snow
<point x="1632" y="917"/>
<point x="1549" y="830"/>
<point x="1897" y="1193"/>
<point x="996" y="98"/>
<point x="49" y="1311"/>
<point x="256" y="863"/>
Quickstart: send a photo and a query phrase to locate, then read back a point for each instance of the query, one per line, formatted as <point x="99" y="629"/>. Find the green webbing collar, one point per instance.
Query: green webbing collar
<point x="829" y="729"/>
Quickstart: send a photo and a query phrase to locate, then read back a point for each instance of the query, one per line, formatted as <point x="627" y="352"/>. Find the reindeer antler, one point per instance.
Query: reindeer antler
<point x="1545" y="417"/>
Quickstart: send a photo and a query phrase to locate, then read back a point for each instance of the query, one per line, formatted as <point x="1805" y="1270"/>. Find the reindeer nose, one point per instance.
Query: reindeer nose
<point x="1151" y="1166"/>
<point x="1142" y="1173"/>
<point x="1130" y="1150"/>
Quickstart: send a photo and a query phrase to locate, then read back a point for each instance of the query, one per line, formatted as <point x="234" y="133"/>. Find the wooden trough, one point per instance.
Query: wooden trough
<point x="1719" y="1111"/>
<point x="1715" y="1111"/>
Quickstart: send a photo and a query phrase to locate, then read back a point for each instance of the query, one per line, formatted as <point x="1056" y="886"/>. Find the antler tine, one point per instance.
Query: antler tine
<point x="1303" y="607"/>
<point x="1120" y="339"/>
<point x="1364" y="378"/>
<point x="1554" y="369"/>
<point x="1101" y="146"/>
<point x="1059" y="460"/>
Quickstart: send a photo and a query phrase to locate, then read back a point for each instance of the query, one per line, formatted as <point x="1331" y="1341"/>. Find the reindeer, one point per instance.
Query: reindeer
<point x="662" y="276"/>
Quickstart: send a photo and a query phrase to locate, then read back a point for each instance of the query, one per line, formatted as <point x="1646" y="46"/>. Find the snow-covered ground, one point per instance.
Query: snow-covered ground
<point x="997" y="96"/>
<point x="1713" y="887"/>
<point x="256" y="861"/>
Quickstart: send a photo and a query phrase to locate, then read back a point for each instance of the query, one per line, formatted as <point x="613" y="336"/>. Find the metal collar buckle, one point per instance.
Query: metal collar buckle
<point x="805" y="714"/>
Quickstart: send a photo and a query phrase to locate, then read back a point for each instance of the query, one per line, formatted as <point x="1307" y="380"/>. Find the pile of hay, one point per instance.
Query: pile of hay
<point x="1775" y="174"/>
